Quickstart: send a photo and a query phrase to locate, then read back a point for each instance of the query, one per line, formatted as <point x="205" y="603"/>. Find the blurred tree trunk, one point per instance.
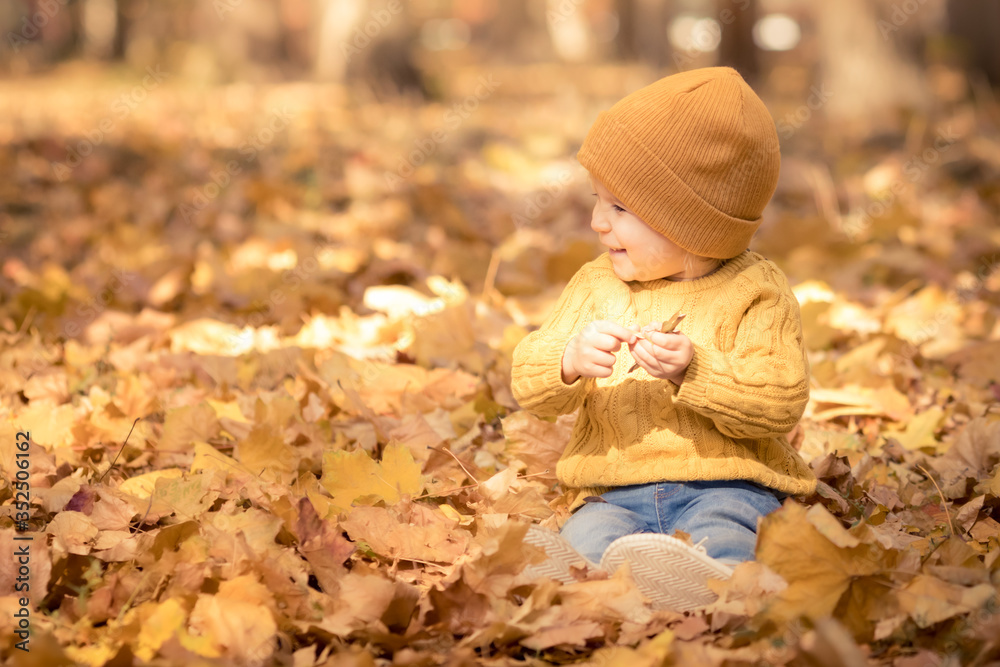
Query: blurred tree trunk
<point x="337" y="20"/>
<point x="105" y="28"/>
<point x="123" y="25"/>
<point x="737" y="48"/>
<point x="371" y="44"/>
<point x="975" y="23"/>
<point x="864" y="76"/>
<point x="642" y="31"/>
<point x="569" y="31"/>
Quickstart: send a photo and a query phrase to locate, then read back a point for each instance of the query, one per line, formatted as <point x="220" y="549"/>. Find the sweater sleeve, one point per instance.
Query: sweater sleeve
<point x="536" y="369"/>
<point x="761" y="388"/>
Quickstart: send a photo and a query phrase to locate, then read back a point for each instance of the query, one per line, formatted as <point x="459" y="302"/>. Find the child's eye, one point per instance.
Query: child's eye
<point x="614" y="206"/>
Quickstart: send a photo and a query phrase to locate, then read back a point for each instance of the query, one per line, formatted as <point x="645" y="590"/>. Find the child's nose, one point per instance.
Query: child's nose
<point x="599" y="222"/>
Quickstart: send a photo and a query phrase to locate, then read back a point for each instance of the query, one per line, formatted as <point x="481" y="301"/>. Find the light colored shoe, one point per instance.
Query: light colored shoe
<point x="670" y="572"/>
<point x="562" y="557"/>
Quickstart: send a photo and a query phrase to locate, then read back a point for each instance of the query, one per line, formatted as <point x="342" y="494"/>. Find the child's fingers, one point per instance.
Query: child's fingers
<point x="619" y="332"/>
<point x="665" y="340"/>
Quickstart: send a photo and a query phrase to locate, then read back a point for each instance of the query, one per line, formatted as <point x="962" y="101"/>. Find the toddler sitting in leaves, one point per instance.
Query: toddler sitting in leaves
<point x="690" y="433"/>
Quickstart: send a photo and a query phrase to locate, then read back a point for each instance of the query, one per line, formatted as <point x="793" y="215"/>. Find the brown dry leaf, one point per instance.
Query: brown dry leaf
<point x="750" y="589"/>
<point x="363" y="600"/>
<point x="537" y="442"/>
<point x="72" y="532"/>
<point x="52" y="387"/>
<point x="112" y="511"/>
<point x="912" y="319"/>
<point x="977" y="364"/>
<point x="978" y="445"/>
<point x="117" y="546"/>
<point x="423" y="535"/>
<point x="883" y="401"/>
<point x="242" y="628"/>
<point x="615" y="597"/>
<point x="322" y="544"/>
<point x="566" y="629"/>
<point x="817" y="558"/>
<point x="186" y="425"/>
<point x="928" y="600"/>
<point x="417" y="434"/>
<point x="504" y="493"/>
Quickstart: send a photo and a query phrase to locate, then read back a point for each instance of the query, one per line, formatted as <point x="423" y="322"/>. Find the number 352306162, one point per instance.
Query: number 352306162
<point x="22" y="488"/>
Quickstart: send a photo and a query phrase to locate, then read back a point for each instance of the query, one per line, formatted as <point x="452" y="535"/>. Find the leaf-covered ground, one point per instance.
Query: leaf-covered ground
<point x="309" y="303"/>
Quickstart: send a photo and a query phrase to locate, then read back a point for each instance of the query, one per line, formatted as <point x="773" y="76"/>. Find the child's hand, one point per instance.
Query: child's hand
<point x="664" y="355"/>
<point x="590" y="353"/>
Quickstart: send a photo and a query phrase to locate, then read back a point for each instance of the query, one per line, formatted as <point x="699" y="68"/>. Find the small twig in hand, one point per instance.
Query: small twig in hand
<point x="944" y="505"/>
<point x="120" y="450"/>
<point x="668" y="326"/>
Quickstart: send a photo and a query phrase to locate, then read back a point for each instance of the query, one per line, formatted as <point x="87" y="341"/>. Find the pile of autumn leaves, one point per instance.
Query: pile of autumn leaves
<point x="246" y="537"/>
<point x="311" y="498"/>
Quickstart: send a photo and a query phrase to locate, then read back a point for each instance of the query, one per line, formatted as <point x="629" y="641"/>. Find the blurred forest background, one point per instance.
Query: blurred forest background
<point x="294" y="243"/>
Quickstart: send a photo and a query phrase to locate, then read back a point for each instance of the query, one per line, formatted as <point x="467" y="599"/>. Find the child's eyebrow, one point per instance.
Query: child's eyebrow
<point x="613" y="197"/>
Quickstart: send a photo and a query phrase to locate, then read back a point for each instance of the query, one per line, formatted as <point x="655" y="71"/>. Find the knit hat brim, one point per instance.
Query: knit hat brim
<point x="632" y="173"/>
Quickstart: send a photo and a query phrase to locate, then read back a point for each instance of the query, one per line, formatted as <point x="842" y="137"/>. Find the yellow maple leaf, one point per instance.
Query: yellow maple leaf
<point x="265" y="453"/>
<point x="919" y="431"/>
<point x="351" y="476"/>
<point x="187" y="424"/>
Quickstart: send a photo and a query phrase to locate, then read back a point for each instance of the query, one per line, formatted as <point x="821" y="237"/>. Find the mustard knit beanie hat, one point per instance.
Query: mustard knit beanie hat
<point x="695" y="155"/>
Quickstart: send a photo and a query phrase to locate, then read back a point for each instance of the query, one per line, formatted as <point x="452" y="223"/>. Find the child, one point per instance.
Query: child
<point x="694" y="439"/>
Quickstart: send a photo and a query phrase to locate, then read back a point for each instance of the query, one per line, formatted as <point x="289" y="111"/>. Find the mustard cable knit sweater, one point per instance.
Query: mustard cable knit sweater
<point x="745" y="389"/>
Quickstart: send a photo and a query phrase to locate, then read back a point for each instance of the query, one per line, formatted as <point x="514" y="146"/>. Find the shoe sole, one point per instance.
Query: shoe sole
<point x="561" y="556"/>
<point x="671" y="573"/>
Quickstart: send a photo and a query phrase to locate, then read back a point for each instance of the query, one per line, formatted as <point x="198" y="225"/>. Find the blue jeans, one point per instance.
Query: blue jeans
<point x="725" y="512"/>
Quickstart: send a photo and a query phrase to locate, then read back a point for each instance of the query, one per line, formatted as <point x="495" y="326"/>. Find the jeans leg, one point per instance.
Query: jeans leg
<point x="726" y="513"/>
<point x="596" y="525"/>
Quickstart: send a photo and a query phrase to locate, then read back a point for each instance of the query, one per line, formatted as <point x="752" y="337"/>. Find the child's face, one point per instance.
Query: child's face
<point x="645" y="253"/>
